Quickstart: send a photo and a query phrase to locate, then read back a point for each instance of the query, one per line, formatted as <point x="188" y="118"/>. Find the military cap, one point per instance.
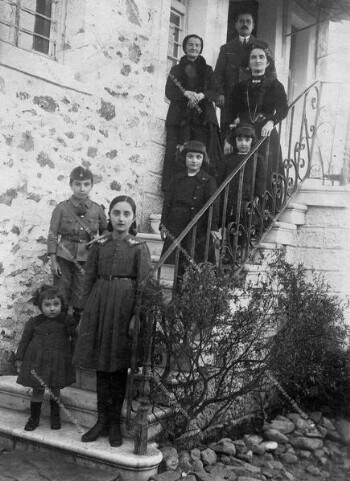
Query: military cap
<point x="80" y="173"/>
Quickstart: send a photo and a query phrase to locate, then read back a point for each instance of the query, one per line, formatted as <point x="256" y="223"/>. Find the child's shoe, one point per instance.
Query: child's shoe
<point x="55" y="421"/>
<point x="33" y="421"/>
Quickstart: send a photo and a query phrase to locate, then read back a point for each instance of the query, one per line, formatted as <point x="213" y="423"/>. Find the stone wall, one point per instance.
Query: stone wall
<point x="98" y="106"/>
<point x="322" y="243"/>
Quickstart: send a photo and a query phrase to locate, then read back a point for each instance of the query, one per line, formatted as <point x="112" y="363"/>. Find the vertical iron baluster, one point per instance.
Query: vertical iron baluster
<point x="251" y="200"/>
<point x="223" y="226"/>
<point x="238" y="213"/>
<point x="176" y="269"/>
<point x="207" y="238"/>
<point x="193" y="241"/>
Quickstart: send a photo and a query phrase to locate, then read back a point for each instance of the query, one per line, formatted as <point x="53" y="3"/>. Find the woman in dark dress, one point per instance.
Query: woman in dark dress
<point x="191" y="89"/>
<point x="262" y="101"/>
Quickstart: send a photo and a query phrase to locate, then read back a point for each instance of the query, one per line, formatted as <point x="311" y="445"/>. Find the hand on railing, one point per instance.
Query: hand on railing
<point x="267" y="129"/>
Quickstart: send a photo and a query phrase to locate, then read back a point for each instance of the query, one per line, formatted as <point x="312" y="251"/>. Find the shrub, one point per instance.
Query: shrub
<point x="215" y="338"/>
<point x="310" y="355"/>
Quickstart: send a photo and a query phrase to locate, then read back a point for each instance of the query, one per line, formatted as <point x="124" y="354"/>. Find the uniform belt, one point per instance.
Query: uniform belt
<point x="74" y="239"/>
<point x="110" y="278"/>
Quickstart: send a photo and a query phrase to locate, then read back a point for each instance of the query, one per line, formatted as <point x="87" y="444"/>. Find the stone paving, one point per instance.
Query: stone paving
<point x="22" y="465"/>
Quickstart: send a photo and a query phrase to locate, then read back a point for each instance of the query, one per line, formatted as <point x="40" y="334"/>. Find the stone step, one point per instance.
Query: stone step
<point x="80" y="406"/>
<point x="154" y="242"/>
<point x="66" y="443"/>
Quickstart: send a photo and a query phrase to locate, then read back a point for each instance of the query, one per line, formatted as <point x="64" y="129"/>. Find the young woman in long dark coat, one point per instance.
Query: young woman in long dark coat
<point x="262" y="101"/>
<point x="113" y="272"/>
<point x="191" y="89"/>
<point x="186" y="195"/>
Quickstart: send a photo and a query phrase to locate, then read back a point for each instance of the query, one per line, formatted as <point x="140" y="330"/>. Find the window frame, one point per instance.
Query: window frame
<point x="179" y="8"/>
<point x="56" y="34"/>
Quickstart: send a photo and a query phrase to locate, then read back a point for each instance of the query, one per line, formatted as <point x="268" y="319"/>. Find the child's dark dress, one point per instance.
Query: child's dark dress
<point x="45" y="349"/>
<point x="113" y="270"/>
<point x="183" y="200"/>
<point x="231" y="162"/>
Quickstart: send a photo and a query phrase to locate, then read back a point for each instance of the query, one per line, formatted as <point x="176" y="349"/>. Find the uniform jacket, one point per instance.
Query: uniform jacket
<point x="67" y="238"/>
<point x="127" y="258"/>
<point x="205" y="83"/>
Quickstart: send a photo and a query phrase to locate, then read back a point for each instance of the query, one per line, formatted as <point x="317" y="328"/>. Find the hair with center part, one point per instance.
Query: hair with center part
<point x="194" y="146"/>
<point x="47" y="292"/>
<point x="131" y="202"/>
<point x="186" y="39"/>
<point x="261" y="46"/>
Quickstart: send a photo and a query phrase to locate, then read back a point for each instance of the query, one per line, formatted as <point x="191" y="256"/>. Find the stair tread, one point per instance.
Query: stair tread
<point x="72" y="398"/>
<point x="67" y="439"/>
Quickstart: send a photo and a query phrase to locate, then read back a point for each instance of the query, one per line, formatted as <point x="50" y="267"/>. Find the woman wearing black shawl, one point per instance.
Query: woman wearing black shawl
<point x="191" y="89"/>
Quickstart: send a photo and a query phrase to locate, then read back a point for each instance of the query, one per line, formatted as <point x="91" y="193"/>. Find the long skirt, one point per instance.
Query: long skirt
<point x="103" y="341"/>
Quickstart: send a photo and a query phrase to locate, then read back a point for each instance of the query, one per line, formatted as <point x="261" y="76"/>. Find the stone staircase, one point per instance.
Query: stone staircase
<point x="78" y="415"/>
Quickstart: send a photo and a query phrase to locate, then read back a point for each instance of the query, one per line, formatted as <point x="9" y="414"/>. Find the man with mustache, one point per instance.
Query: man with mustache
<point x="228" y="71"/>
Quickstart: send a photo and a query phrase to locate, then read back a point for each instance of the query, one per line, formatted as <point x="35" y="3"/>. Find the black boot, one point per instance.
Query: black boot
<point x="33" y="421"/>
<point x="98" y="430"/>
<point x="101" y="426"/>
<point x="55" y="421"/>
<point x="117" y="389"/>
<point x="115" y="435"/>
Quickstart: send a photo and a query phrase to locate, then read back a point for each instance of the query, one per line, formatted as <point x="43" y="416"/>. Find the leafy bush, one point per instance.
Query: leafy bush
<point x="220" y="343"/>
<point x="310" y="354"/>
<point x="215" y="338"/>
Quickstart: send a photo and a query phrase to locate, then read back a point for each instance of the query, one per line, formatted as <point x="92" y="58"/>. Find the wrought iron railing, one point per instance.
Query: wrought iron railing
<point x="246" y="214"/>
<point x="245" y="219"/>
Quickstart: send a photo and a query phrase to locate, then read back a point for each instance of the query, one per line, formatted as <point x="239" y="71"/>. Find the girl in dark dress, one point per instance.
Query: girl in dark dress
<point x="242" y="139"/>
<point x="43" y="357"/>
<point x="113" y="272"/>
<point x="186" y="195"/>
<point x="262" y="102"/>
<point x="191" y="89"/>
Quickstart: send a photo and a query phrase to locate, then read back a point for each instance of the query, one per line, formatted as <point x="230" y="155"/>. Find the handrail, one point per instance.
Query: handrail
<point x="206" y="206"/>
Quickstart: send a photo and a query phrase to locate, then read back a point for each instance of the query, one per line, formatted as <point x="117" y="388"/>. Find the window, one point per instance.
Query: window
<point x="176" y="29"/>
<point x="31" y="24"/>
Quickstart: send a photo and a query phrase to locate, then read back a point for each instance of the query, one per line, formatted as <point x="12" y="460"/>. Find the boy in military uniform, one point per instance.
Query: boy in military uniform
<point x="74" y="223"/>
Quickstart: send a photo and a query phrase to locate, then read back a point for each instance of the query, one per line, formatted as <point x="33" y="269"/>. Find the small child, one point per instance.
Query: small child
<point x="74" y="223"/>
<point x="242" y="139"/>
<point x="43" y="358"/>
<point x="114" y="270"/>
<point x="186" y="195"/>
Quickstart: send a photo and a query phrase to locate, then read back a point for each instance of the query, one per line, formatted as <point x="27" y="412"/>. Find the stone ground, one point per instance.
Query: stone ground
<point x="291" y="448"/>
<point x="22" y="465"/>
